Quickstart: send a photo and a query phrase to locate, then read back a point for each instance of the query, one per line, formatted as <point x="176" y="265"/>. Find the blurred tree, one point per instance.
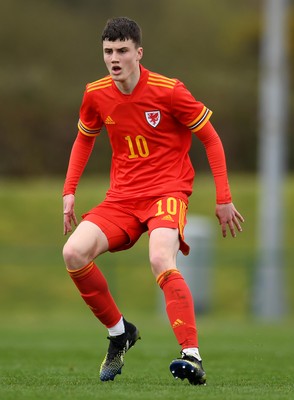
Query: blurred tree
<point x="51" y="49"/>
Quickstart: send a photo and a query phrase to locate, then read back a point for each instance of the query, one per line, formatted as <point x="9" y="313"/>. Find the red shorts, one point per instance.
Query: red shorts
<point x="123" y="222"/>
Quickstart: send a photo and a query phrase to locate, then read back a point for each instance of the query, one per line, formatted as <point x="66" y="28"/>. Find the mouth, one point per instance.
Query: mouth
<point x="116" y="69"/>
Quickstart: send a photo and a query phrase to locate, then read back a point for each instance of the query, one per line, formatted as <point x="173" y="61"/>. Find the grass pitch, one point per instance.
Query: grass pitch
<point x="51" y="346"/>
<point x="59" y="358"/>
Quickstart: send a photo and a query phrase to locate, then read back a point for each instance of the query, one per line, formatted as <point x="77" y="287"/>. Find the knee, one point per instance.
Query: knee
<point x="72" y="257"/>
<point x="159" y="263"/>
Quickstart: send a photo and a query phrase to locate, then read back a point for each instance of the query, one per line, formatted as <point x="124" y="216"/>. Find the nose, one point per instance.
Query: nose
<point x="114" y="57"/>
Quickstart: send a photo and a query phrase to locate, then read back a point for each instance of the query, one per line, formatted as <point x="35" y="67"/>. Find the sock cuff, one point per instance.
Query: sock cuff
<point x="167" y="275"/>
<point x="81" y="272"/>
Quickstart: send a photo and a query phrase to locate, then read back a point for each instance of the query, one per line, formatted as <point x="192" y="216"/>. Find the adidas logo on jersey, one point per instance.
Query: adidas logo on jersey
<point x="109" y="121"/>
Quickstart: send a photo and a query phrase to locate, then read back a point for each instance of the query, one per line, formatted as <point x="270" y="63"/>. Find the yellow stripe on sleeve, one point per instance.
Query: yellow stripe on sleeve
<point x="201" y="120"/>
<point x="88" y="131"/>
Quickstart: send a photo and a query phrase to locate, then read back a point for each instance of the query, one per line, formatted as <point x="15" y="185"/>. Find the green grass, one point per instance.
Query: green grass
<point x="59" y="359"/>
<point x="51" y="346"/>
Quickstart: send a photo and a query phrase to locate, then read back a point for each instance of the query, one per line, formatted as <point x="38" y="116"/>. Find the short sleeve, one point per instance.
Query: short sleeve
<point x="90" y="122"/>
<point x="189" y="112"/>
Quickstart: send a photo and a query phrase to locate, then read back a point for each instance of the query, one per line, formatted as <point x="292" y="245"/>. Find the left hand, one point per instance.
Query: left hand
<point x="227" y="214"/>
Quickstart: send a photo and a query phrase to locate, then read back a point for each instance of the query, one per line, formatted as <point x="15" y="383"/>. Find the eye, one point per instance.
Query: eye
<point x="107" y="51"/>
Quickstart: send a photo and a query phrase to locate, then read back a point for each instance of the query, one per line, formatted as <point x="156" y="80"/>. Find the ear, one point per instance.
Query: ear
<point x="139" y="53"/>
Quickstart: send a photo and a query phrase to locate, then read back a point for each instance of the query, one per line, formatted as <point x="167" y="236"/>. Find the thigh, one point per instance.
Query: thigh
<point x="164" y="245"/>
<point x="169" y="212"/>
<point x="87" y="242"/>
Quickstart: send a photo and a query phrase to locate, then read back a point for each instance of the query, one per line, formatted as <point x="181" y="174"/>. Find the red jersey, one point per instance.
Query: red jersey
<point x="149" y="131"/>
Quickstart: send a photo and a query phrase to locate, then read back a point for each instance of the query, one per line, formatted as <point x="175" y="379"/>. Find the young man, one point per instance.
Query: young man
<point x="150" y="120"/>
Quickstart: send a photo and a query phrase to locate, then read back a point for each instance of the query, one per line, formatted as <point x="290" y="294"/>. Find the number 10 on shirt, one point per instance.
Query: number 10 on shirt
<point x="138" y="146"/>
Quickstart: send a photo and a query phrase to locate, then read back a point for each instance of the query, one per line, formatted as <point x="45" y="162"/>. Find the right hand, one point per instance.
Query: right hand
<point x="68" y="213"/>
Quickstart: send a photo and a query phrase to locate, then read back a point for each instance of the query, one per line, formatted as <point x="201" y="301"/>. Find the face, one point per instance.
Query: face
<point x="122" y="59"/>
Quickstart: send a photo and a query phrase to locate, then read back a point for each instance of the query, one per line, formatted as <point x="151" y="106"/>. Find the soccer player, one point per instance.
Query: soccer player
<point x="150" y="120"/>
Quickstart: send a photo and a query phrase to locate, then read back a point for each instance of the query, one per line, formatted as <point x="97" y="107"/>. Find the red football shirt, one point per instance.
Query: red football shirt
<point x="149" y="131"/>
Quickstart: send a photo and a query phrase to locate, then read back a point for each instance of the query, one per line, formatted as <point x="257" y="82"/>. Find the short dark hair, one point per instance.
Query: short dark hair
<point x="122" y="28"/>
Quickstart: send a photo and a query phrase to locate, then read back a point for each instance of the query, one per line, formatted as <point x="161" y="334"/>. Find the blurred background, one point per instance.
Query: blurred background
<point x="49" y="51"/>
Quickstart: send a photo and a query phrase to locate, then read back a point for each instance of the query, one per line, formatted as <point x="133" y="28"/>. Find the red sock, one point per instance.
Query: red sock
<point x="179" y="307"/>
<point x="94" y="290"/>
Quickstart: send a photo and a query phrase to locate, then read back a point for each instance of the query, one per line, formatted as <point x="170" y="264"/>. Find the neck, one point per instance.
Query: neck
<point x="127" y="86"/>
